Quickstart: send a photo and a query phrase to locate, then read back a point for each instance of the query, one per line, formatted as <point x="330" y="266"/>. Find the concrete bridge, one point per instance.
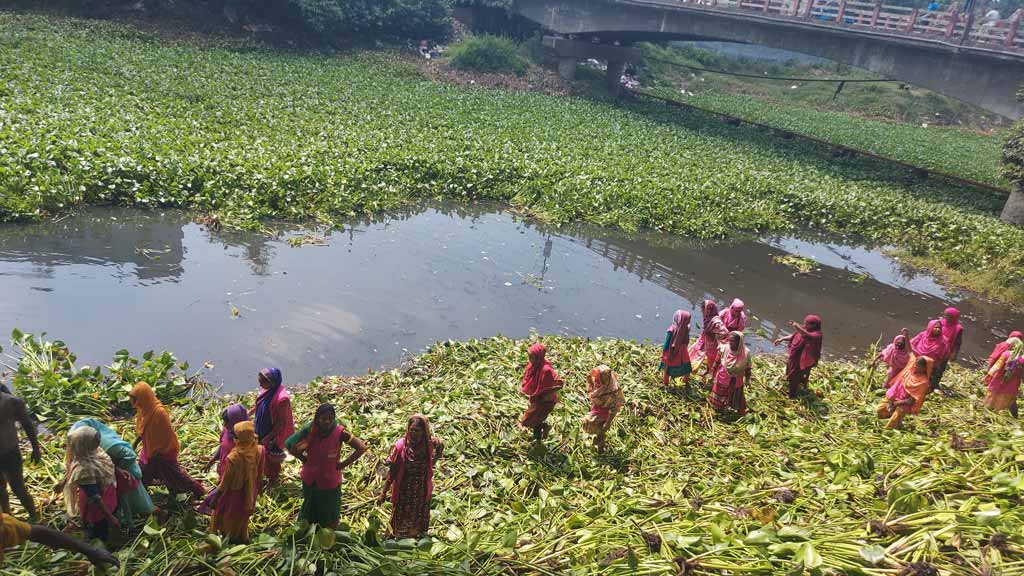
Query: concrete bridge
<point x="978" y="62"/>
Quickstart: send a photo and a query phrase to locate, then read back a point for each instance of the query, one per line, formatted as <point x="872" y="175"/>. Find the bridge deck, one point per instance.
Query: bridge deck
<point x="951" y="26"/>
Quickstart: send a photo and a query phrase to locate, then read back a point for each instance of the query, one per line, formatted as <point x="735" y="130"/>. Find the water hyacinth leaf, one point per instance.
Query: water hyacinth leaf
<point x="761" y="536"/>
<point x="790" y="532"/>
<point x="808" y="556"/>
<point x="872" y="554"/>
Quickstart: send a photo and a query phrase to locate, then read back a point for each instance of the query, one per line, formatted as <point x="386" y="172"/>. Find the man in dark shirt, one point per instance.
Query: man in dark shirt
<point x="13" y="409"/>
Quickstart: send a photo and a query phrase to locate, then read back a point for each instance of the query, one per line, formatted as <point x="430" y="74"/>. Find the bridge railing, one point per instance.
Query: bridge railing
<point x="950" y="25"/>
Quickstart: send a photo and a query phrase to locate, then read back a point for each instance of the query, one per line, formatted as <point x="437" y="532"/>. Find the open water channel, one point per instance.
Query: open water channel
<point x="102" y="280"/>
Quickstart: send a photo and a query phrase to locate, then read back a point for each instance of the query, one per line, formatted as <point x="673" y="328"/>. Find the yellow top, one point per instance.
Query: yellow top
<point x="13" y="532"/>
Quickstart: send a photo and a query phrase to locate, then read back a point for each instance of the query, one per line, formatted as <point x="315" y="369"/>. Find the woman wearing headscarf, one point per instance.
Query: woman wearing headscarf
<point x="953" y="336"/>
<point x="239" y="485"/>
<point x="804" y="353"/>
<point x="159" y="456"/>
<point x="1003" y="378"/>
<point x="132" y="498"/>
<point x="411" y="478"/>
<point x="540" y="384"/>
<point x="675" y="356"/>
<point x="731" y="376"/>
<point x="734" y="317"/>
<point x="229" y="417"/>
<point x="318" y="446"/>
<point x="90" y="487"/>
<point x="606" y="399"/>
<point x="907" y="392"/>
<point x="713" y="333"/>
<point x="932" y="344"/>
<point x="1001" y="347"/>
<point x="274" y="421"/>
<point x="895" y="355"/>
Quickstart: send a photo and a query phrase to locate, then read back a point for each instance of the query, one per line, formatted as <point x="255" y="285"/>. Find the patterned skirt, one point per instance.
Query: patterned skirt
<point x="410" y="517"/>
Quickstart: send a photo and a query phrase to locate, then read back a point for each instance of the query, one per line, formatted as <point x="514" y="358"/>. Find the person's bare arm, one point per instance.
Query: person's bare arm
<point x="58" y="540"/>
<point x="29" y="426"/>
<point x="358" y="449"/>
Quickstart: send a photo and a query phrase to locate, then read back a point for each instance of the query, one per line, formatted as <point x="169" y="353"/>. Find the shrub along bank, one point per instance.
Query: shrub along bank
<point x="816" y="486"/>
<point x="92" y="112"/>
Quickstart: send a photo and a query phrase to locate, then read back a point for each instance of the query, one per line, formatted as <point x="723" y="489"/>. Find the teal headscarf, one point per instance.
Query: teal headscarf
<point x="120" y="451"/>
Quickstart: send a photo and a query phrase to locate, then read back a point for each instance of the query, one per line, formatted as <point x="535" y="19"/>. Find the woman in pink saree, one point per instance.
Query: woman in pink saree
<point x="713" y="333"/>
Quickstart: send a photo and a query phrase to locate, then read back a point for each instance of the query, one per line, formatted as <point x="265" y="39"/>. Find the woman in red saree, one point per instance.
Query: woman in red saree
<point x="1003" y="378"/>
<point x="1001" y="347"/>
<point x="274" y="420"/>
<point x="239" y="485"/>
<point x="895" y="355"/>
<point x="953" y="336"/>
<point x="675" y="358"/>
<point x="540" y="384"/>
<point x="411" y="478"/>
<point x="734" y="317"/>
<point x="713" y="333"/>
<point x="606" y="399"/>
<point x="804" y="353"/>
<point x="906" y="392"/>
<point x="931" y="343"/>
<point x="731" y="376"/>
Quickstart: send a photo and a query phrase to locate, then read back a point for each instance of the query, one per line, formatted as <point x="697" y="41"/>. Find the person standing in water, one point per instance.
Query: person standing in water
<point x="274" y="420"/>
<point x="540" y="384"/>
<point x="318" y="446"/>
<point x="411" y="478"/>
<point x="675" y="354"/>
<point x="12" y="410"/>
<point x="804" y="353"/>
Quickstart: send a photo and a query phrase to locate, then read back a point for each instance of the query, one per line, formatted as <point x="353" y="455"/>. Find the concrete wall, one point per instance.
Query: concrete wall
<point x="981" y="77"/>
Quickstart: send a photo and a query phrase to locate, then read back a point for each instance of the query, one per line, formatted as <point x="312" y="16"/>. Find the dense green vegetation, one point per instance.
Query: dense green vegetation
<point x="801" y="487"/>
<point x="488" y="54"/>
<point x="917" y="127"/>
<point x="1013" y="152"/>
<point x="92" y="112"/>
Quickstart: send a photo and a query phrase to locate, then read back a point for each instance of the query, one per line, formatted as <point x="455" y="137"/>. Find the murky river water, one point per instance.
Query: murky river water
<point x="109" y="279"/>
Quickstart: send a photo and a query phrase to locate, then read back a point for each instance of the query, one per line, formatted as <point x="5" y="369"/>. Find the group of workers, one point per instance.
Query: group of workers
<point x="106" y="478"/>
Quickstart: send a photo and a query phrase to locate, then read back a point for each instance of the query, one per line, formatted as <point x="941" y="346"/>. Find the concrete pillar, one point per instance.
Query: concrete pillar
<point x="1013" y="211"/>
<point x="567" y="68"/>
<point x="614" y="75"/>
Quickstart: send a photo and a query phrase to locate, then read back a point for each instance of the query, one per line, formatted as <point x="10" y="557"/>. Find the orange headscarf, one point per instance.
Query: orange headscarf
<point x="153" y="423"/>
<point x="242" y="471"/>
<point x="916" y="385"/>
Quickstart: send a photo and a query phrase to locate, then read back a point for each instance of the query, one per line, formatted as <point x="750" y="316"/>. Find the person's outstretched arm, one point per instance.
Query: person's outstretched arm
<point x="56" y="539"/>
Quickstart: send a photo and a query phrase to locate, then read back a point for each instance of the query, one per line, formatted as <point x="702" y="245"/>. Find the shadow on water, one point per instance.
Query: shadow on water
<point x="384" y="288"/>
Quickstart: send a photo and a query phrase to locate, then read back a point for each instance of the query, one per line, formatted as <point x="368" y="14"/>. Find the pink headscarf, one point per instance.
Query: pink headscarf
<point x="733" y="317"/>
<point x="927" y="344"/>
<point x="680" y="330"/>
<point x="895" y="358"/>
<point x="951" y="329"/>
<point x="807" y="347"/>
<point x="539" y="376"/>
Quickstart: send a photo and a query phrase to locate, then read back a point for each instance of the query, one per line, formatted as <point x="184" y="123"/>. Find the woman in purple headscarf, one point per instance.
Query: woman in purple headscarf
<point x="229" y="417"/>
<point x="274" y="421"/>
<point x="675" y="358"/>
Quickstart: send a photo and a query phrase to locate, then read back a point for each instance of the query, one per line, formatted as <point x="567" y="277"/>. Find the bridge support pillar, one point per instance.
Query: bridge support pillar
<point x="569" y="52"/>
<point x="567" y="68"/>
<point x="1013" y="211"/>
<point x="614" y="75"/>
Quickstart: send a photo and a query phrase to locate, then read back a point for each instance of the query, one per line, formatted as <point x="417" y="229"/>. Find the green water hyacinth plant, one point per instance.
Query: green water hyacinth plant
<point x="813" y="486"/>
<point x="100" y="113"/>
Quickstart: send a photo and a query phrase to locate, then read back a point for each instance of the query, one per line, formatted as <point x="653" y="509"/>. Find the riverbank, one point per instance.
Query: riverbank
<point x="816" y="482"/>
<point x="251" y="134"/>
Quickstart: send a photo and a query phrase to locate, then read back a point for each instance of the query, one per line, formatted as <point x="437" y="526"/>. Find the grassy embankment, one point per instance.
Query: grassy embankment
<point x="915" y="126"/>
<point x="92" y="112"/>
<point x="814" y="486"/>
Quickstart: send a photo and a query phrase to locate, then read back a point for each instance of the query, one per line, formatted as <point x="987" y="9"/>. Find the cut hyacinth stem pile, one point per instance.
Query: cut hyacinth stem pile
<point x="813" y="486"/>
